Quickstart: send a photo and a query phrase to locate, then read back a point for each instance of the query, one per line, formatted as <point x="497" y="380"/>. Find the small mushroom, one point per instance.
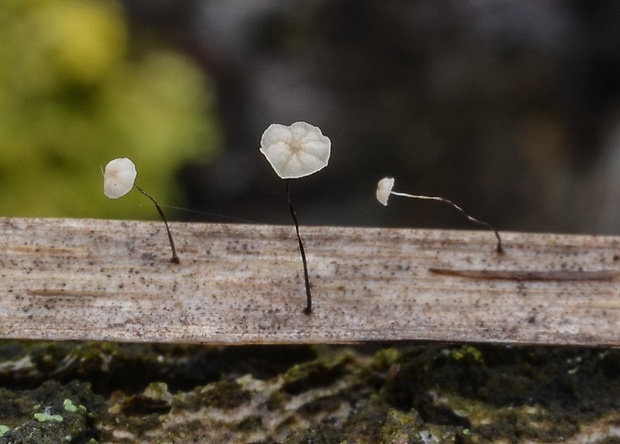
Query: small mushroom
<point x="296" y="151"/>
<point x="384" y="189"/>
<point x="118" y="179"/>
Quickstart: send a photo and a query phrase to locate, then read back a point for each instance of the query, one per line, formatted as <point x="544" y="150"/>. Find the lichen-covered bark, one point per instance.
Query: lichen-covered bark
<point x="125" y="393"/>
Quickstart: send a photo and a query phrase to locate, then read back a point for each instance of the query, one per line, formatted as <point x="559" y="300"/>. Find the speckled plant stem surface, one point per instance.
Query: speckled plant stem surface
<point x="67" y="279"/>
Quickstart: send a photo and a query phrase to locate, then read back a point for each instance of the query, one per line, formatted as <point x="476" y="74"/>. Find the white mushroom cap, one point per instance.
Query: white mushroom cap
<point x="118" y="177"/>
<point x="384" y="188"/>
<point x="295" y="151"/>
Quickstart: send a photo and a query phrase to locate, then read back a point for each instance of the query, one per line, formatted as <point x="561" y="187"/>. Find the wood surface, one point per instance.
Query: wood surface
<point x="84" y="279"/>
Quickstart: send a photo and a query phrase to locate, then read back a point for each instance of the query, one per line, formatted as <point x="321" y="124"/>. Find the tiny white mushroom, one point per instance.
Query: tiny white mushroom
<point x="384" y="189"/>
<point x="118" y="177"/>
<point x="295" y="151"/>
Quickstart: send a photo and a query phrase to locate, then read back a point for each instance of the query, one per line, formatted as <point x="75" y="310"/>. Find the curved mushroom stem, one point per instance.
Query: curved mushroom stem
<point x="308" y="309"/>
<point x="498" y="248"/>
<point x="175" y="258"/>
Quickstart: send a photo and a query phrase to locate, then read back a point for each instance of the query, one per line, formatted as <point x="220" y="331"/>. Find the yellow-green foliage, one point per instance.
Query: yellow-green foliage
<point x="75" y="92"/>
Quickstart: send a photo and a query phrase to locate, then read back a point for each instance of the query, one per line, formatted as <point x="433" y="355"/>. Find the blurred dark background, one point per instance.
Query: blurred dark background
<point x="508" y="108"/>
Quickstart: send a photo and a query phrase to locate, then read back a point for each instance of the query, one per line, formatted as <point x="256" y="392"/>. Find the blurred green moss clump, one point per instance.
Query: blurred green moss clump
<point x="77" y="91"/>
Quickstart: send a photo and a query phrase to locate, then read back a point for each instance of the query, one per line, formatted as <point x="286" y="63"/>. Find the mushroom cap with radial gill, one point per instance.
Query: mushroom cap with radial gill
<point x="384" y="188"/>
<point x="295" y="151"/>
<point x="118" y="177"/>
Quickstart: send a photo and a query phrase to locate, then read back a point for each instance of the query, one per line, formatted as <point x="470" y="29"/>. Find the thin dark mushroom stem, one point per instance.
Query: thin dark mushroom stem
<point x="498" y="248"/>
<point x="175" y="257"/>
<point x="308" y="309"/>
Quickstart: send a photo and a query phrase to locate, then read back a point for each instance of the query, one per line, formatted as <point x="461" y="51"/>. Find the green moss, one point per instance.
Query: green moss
<point x="276" y="400"/>
<point x="409" y="427"/>
<point x="386" y="357"/>
<point x="225" y="395"/>
<point x="145" y="423"/>
<point x="154" y="399"/>
<point x="69" y="406"/>
<point x="322" y="404"/>
<point x="460" y="394"/>
<point x="39" y="415"/>
<point x="317" y="434"/>
<point x="44" y="417"/>
<point x="467" y="352"/>
<point x="400" y="426"/>
<point x="320" y="372"/>
<point x="250" y="423"/>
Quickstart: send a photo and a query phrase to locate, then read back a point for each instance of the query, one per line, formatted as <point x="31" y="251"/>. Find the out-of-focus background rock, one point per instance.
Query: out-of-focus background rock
<point x="510" y="109"/>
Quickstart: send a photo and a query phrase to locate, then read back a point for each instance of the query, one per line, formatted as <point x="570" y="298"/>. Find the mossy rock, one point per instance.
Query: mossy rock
<point x="100" y="392"/>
